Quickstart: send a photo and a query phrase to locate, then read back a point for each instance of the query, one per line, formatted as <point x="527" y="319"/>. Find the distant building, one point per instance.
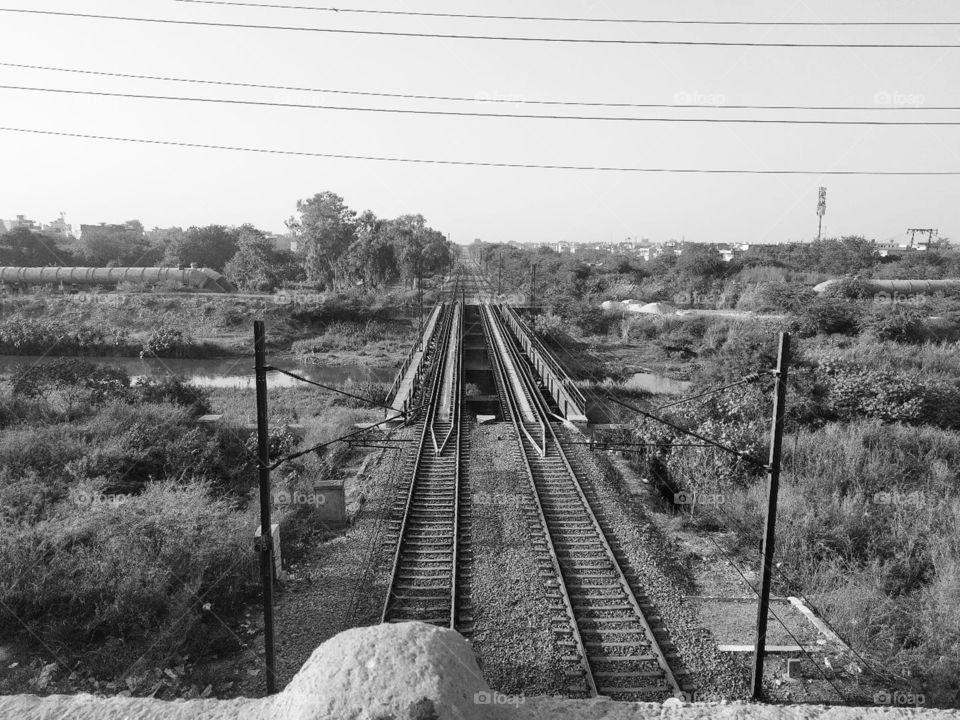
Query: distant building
<point x="21" y="222"/>
<point x="59" y="228"/>
<point x="103" y="230"/>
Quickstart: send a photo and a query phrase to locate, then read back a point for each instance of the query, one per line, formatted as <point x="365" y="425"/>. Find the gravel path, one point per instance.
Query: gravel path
<point x="515" y="647"/>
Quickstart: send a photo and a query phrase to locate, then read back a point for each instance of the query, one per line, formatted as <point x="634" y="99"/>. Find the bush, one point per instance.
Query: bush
<point x="891" y="396"/>
<point x="827" y="316"/>
<point x="897" y="322"/>
<point x="167" y="565"/>
<point x="67" y="385"/>
<point x="777" y="297"/>
<point x="32" y="336"/>
<point x="174" y="390"/>
<point x="165" y="342"/>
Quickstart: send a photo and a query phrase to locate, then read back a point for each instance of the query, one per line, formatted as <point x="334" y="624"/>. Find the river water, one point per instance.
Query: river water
<point x="221" y="373"/>
<point x="657" y="384"/>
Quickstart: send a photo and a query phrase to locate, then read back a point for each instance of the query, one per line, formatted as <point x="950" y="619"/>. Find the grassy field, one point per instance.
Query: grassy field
<point x="360" y="327"/>
<point x="867" y="520"/>
<point x="127" y="521"/>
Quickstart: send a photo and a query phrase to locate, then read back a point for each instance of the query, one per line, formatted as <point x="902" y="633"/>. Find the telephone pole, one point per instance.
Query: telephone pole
<point x="821" y="210"/>
<point x="769" y="532"/>
<point x="533" y="285"/>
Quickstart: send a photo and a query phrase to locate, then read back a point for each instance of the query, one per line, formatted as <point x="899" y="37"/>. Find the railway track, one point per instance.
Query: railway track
<point x="609" y="646"/>
<point x="425" y="578"/>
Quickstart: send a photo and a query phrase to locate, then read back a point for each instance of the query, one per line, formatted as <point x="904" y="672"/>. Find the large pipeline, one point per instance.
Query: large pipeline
<point x="899" y="286"/>
<point x="193" y="277"/>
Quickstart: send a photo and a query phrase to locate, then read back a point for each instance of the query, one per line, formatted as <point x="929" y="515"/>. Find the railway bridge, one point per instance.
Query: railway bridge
<point x="480" y="360"/>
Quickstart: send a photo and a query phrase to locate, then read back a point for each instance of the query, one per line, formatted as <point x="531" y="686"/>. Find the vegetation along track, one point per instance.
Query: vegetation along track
<point x="612" y="649"/>
<point x="424" y="582"/>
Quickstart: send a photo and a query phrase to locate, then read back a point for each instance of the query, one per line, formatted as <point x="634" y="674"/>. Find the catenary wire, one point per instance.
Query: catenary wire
<point x="480" y="163"/>
<point x="470" y="113"/>
<point x="480" y="98"/>
<point x="554" y="18"/>
<point x="452" y="36"/>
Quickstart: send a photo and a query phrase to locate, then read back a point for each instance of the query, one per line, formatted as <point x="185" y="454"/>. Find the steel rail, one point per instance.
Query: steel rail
<point x="541" y="408"/>
<point x="515" y="419"/>
<point x="457" y="406"/>
<point x="434" y="395"/>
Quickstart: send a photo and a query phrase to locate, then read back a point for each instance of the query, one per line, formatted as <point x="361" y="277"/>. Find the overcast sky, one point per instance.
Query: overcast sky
<point x="96" y="181"/>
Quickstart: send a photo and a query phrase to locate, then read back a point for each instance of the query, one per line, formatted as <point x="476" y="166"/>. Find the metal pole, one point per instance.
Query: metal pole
<point x="500" y="276"/>
<point x="420" y="298"/>
<point x="533" y="285"/>
<point x="265" y="546"/>
<point x="773" y="483"/>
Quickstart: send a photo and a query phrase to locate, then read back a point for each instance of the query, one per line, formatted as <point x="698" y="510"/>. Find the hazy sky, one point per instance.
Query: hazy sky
<point x="96" y="181"/>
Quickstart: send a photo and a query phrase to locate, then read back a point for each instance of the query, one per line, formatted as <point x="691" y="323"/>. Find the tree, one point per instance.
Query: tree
<point x="24" y="248"/>
<point x="372" y="258"/>
<point x="211" y="246"/>
<point x="257" y="264"/>
<point x="325" y="229"/>
<point x="123" y="245"/>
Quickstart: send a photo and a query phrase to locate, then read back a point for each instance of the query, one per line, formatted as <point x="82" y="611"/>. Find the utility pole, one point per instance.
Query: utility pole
<point x="533" y="285"/>
<point x="420" y="300"/>
<point x="265" y="545"/>
<point x="500" y="275"/>
<point x="821" y="210"/>
<point x="773" y="484"/>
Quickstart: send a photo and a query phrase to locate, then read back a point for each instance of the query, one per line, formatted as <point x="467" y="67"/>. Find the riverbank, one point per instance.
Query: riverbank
<point x="351" y="328"/>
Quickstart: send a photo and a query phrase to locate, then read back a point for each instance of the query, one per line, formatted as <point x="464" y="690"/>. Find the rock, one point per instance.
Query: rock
<point x="408" y="671"/>
<point x="46" y="675"/>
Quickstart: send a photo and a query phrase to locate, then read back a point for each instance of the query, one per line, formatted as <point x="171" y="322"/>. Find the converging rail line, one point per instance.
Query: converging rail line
<point x="425" y="575"/>
<point x="611" y="649"/>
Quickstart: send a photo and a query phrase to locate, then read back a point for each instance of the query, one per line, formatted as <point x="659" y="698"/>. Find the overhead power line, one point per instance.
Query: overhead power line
<point x="469" y="113"/>
<point x="470" y="163"/>
<point x="453" y="36"/>
<point x="554" y="18"/>
<point x="480" y="98"/>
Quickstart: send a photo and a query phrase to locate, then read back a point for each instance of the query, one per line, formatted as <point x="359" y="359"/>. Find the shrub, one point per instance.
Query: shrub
<point x="67" y="384"/>
<point x="164" y="342"/>
<point x="175" y="390"/>
<point x="159" y="571"/>
<point x="32" y="336"/>
<point x="777" y="297"/>
<point x="890" y="395"/>
<point x="898" y="322"/>
<point x="827" y="316"/>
